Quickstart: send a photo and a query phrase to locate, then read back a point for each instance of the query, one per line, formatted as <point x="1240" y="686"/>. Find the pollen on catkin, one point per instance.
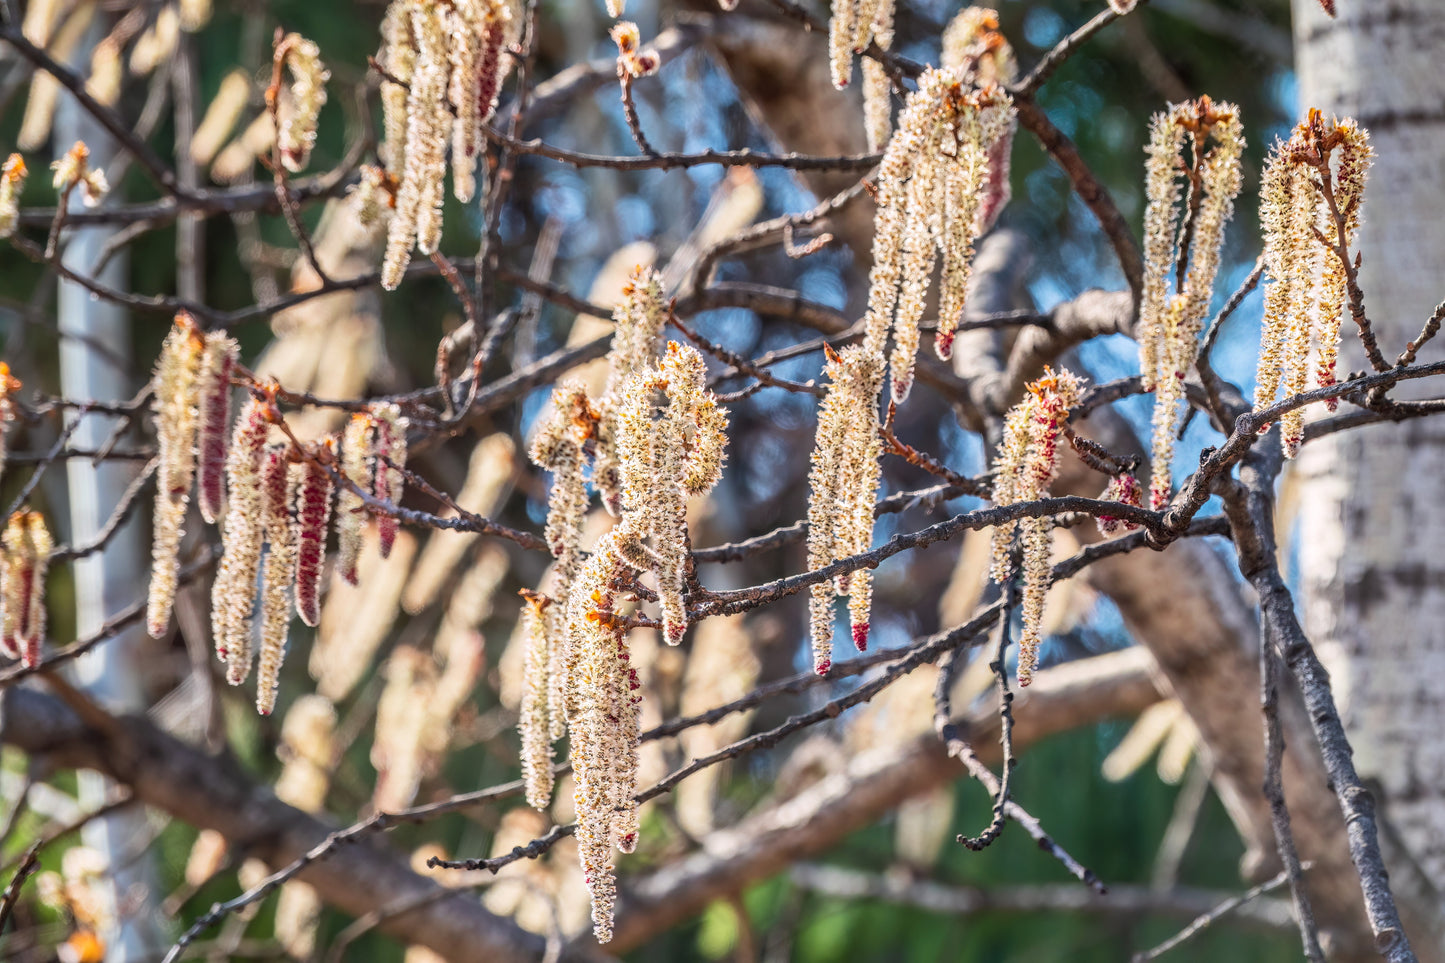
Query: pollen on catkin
<point x="854" y="25"/>
<point x="218" y="361"/>
<point x="604" y="727"/>
<point x="932" y="180"/>
<point x="442" y="69"/>
<point x="1182" y="244"/>
<point x="175" y="392"/>
<point x="974" y="48"/>
<point x="74" y="170"/>
<point x="351" y="515"/>
<point x="233" y="594"/>
<point x="670" y="440"/>
<point x="639" y="317"/>
<point x="12" y="182"/>
<point x="842" y="489"/>
<point x="297" y="134"/>
<point x="1024" y="468"/>
<point x="1306" y="287"/>
<point x="28" y="546"/>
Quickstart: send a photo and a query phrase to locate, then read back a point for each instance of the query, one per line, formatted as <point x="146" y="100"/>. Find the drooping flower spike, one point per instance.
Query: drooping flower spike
<point x="1310" y="201"/>
<point x="842" y="488"/>
<point x="1024" y="468"/>
<point x="1182" y="244"/>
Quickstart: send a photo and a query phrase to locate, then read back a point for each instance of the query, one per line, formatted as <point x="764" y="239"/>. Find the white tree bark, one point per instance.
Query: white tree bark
<point x="1372" y="577"/>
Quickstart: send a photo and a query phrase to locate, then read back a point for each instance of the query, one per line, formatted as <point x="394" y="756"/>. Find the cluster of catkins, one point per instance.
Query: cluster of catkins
<point x="27" y="546"/>
<point x="655" y="438"/>
<point x="278" y="499"/>
<point x="1176" y="229"/>
<point x="842" y="485"/>
<point x="1317" y="174"/>
<point x="853" y="26"/>
<point x="942" y="181"/>
<point x="1024" y="467"/>
<point x="442" y="68"/>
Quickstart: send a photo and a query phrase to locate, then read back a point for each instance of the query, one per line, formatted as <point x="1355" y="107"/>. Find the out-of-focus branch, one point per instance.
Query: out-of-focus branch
<point x="871" y="784"/>
<point x="209" y="793"/>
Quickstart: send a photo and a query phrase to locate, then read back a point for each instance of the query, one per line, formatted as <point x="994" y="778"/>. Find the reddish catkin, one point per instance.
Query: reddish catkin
<point x="313" y="514"/>
<point x="174" y="390"/>
<point x="214" y="391"/>
<point x="278" y="482"/>
<point x="27" y="555"/>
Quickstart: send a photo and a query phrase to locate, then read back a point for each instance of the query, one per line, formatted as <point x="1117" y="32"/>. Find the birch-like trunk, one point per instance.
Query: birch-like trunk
<point x="1371" y="570"/>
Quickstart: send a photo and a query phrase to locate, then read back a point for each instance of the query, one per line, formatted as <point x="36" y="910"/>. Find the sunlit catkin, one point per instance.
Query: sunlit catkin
<point x="442" y="69"/>
<point x="842" y="488"/>
<point x="9" y="385"/>
<point x="853" y="26"/>
<point x="974" y="48"/>
<point x="22" y="586"/>
<point x="604" y="727"/>
<point x="218" y="361"/>
<point x="1170" y="324"/>
<point x="933" y="177"/>
<point x="1024" y="468"/>
<point x="1310" y="200"/>
<point x="233" y="593"/>
<point x="670" y="444"/>
<point x="297" y="132"/>
<point x="175" y="394"/>
<point x="12" y="182"/>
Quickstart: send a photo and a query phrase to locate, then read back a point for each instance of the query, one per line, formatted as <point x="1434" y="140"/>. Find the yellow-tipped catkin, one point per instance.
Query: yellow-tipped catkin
<point x="670" y="444"/>
<point x="9" y="385"/>
<point x="175" y="390"/>
<point x="12" y="182"/>
<point x="936" y="189"/>
<point x="604" y="727"/>
<point x="1306" y="288"/>
<point x="1024" y="468"/>
<point x="1170" y="323"/>
<point x="297" y="135"/>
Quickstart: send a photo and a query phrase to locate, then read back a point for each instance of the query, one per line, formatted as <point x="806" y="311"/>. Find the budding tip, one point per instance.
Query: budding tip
<point x="943" y="346"/>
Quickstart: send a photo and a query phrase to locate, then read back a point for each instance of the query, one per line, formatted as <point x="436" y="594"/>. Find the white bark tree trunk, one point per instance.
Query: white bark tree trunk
<point x="1372" y="576"/>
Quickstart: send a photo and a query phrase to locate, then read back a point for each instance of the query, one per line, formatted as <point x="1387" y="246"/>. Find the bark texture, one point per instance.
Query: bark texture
<point x="1371" y="574"/>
